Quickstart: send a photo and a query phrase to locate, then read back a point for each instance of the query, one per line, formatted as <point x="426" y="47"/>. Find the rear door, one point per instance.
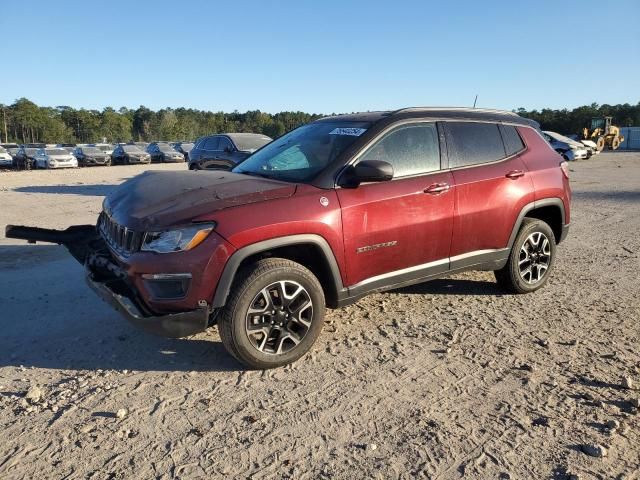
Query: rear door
<point x="492" y="186"/>
<point x="399" y="229"/>
<point x="226" y="153"/>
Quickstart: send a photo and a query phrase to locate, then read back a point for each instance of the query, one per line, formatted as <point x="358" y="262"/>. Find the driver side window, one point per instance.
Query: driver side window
<point x="411" y="149"/>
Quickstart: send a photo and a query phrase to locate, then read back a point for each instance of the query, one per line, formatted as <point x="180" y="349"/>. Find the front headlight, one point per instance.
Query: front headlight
<point x="177" y="240"/>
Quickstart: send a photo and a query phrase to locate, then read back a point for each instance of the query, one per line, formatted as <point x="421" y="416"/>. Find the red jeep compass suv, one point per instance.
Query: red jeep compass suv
<point x="334" y="210"/>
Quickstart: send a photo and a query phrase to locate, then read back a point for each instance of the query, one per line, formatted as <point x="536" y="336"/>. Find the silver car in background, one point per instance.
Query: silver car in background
<point x="6" y="160"/>
<point x="569" y="149"/>
<point x="55" y="157"/>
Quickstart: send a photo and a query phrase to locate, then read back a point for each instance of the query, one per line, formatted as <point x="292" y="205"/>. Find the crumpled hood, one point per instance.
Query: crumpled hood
<point x="155" y="200"/>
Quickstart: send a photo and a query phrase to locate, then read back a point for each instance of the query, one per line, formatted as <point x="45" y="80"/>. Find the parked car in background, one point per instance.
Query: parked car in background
<point x="590" y="145"/>
<point x="223" y="151"/>
<point x="127" y="154"/>
<point x="6" y="160"/>
<point x="88" y="156"/>
<point x="13" y="151"/>
<point x="24" y="159"/>
<point x="184" y="148"/>
<point x="141" y="145"/>
<point x="54" y="157"/>
<point x="106" y="148"/>
<point x="164" y="153"/>
<point x="69" y="147"/>
<point x="569" y="149"/>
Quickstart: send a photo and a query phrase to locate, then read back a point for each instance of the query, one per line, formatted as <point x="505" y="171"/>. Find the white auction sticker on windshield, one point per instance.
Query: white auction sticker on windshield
<point x="353" y="132"/>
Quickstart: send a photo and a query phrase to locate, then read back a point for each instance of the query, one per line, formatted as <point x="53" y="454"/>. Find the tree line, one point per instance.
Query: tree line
<point x="25" y="122"/>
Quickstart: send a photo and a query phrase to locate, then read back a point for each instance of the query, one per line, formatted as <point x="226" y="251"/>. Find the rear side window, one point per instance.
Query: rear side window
<point x="512" y="141"/>
<point x="473" y="143"/>
<point x="224" y="143"/>
<point x="411" y="149"/>
<point x="211" y="143"/>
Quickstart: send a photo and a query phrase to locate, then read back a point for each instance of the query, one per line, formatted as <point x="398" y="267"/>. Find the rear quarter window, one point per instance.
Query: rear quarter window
<point x="512" y="141"/>
<point x="472" y="143"/>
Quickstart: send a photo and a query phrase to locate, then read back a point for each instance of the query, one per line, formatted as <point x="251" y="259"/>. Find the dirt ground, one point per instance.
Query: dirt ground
<point x="443" y="380"/>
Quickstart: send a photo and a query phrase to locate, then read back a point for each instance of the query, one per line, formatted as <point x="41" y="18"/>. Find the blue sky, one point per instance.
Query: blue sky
<point x="324" y="57"/>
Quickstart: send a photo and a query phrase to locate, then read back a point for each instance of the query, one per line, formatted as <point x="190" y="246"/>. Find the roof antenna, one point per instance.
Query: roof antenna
<point x="475" y="100"/>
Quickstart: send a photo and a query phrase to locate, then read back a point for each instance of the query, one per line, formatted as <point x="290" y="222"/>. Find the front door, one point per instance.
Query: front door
<point x="399" y="229"/>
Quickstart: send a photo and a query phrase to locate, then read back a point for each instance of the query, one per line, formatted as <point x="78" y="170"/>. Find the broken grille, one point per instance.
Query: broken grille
<point x="119" y="237"/>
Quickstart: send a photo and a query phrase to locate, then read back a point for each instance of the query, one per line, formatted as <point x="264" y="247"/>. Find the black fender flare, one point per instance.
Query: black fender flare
<point x="544" y="202"/>
<point x="233" y="264"/>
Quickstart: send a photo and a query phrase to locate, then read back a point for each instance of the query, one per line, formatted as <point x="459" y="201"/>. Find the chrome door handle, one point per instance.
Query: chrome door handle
<point x="437" y="188"/>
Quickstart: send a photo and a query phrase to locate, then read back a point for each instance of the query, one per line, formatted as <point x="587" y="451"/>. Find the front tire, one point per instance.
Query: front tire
<point x="273" y="315"/>
<point x="531" y="258"/>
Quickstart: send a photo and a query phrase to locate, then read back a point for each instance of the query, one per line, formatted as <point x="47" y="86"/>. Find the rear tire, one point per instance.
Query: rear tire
<point x="531" y="259"/>
<point x="273" y="315"/>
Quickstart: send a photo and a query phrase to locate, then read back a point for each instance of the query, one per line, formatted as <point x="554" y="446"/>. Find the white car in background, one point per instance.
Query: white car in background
<point x="569" y="149"/>
<point x="6" y="160"/>
<point x="590" y="144"/>
<point x="54" y="157"/>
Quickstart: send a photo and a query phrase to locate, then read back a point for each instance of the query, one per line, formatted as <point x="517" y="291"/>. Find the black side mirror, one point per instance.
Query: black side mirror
<point x="367" y="171"/>
<point x="228" y="149"/>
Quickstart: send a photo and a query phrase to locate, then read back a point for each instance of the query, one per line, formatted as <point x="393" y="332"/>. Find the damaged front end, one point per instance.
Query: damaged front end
<point x="111" y="282"/>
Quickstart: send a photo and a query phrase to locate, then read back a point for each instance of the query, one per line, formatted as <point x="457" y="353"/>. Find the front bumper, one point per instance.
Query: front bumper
<point x="115" y="285"/>
<point x="173" y="325"/>
<point x="94" y="161"/>
<point x="63" y="165"/>
<point x="139" y="160"/>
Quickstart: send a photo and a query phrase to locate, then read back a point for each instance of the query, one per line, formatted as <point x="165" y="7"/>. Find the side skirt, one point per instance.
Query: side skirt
<point x="479" y="260"/>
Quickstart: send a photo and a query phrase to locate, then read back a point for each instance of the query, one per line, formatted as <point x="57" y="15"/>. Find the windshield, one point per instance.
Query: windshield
<point x="91" y="150"/>
<point x="131" y="149"/>
<point x="56" y="151"/>
<point x="251" y="143"/>
<point x="165" y="147"/>
<point x="2" y="150"/>
<point x="104" y="148"/>
<point x="304" y="152"/>
<point x="187" y="147"/>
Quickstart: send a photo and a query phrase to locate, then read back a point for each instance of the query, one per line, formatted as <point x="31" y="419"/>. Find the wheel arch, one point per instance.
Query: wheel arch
<point x="549" y="210"/>
<point x="311" y="251"/>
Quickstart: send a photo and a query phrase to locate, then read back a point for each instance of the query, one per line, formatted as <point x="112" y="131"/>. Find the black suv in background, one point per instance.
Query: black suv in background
<point x="225" y="150"/>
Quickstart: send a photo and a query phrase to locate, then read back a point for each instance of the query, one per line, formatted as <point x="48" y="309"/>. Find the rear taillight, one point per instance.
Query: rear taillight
<point x="564" y="166"/>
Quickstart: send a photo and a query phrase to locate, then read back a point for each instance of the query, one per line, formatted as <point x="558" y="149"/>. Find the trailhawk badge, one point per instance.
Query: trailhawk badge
<point x="369" y="248"/>
<point x="324" y="201"/>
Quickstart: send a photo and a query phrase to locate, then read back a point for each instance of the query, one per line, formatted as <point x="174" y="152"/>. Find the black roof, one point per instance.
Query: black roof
<point x="442" y="113"/>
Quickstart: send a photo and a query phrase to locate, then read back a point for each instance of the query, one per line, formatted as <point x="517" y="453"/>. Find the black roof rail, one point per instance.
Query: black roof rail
<point x="454" y="109"/>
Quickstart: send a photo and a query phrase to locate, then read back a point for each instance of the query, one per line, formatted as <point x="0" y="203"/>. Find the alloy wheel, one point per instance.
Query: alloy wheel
<point x="279" y="317"/>
<point x="535" y="258"/>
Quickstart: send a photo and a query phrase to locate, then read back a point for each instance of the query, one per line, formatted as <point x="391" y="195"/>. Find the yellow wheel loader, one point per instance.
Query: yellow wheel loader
<point x="603" y="133"/>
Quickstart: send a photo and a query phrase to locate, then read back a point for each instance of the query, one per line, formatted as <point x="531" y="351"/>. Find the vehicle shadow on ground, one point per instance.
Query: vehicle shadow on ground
<point x="99" y="190"/>
<point x="49" y="318"/>
<point x="452" y="286"/>
<point x="135" y="351"/>
<point x="612" y="195"/>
